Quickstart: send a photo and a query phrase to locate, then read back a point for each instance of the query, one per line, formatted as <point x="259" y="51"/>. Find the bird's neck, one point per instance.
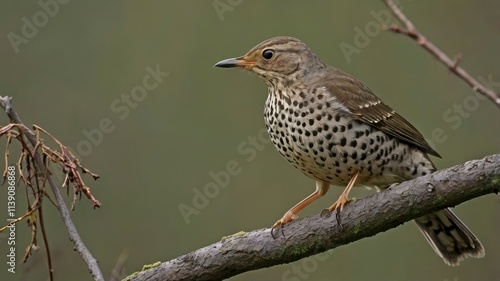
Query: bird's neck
<point x="288" y="86"/>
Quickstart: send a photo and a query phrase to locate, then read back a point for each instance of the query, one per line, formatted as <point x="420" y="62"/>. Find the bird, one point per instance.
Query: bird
<point x="336" y="131"/>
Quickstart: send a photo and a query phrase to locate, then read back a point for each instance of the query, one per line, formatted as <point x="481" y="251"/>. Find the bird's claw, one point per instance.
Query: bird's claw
<point x="289" y="216"/>
<point x="339" y="223"/>
<point x="276" y="229"/>
<point x="325" y="213"/>
<point x="338" y="207"/>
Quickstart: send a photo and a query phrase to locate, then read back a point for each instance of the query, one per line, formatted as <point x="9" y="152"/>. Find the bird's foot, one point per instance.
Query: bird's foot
<point x="343" y="199"/>
<point x="338" y="206"/>
<point x="288" y="217"/>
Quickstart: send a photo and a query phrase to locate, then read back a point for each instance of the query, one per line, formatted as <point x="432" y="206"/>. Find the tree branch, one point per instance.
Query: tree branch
<point x="312" y="235"/>
<point x="41" y="170"/>
<point x="453" y="64"/>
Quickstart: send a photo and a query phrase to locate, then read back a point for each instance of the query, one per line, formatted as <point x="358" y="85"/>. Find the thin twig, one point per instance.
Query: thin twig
<point x="453" y="64"/>
<point x="117" y="272"/>
<point x="70" y="164"/>
<point x="46" y="242"/>
<point x="40" y="167"/>
<point x="17" y="219"/>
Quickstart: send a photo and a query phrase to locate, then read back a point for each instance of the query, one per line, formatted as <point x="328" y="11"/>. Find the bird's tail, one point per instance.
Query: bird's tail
<point x="449" y="237"/>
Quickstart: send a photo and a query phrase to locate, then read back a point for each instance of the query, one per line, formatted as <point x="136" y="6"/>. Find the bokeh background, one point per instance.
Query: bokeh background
<point x="87" y="55"/>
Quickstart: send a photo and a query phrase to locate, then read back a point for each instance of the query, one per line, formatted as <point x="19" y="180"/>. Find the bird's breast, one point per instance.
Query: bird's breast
<point x="316" y="135"/>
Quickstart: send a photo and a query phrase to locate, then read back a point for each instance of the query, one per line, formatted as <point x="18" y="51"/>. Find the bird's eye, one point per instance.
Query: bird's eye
<point x="268" y="54"/>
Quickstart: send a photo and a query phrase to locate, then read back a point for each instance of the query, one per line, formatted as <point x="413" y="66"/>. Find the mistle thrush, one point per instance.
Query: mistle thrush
<point x="333" y="128"/>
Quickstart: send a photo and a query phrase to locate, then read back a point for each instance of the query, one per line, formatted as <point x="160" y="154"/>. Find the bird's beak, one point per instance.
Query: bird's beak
<point x="234" y="62"/>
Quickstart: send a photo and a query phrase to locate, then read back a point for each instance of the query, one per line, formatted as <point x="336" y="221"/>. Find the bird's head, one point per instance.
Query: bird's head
<point x="275" y="58"/>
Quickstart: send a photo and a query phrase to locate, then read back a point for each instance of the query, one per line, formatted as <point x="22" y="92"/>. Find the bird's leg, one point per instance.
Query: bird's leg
<point x="343" y="199"/>
<point x="321" y="189"/>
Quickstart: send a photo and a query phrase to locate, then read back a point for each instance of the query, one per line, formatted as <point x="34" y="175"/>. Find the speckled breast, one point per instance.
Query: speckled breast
<point x="316" y="135"/>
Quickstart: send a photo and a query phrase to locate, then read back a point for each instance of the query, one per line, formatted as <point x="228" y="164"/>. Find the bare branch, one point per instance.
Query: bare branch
<point x="453" y="64"/>
<point x="312" y="235"/>
<point x="41" y="169"/>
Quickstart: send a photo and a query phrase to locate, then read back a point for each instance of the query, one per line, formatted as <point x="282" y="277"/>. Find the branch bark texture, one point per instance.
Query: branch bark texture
<point x="312" y="235"/>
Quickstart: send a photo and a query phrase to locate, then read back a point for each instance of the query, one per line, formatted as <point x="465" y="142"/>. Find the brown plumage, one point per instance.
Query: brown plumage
<point x="332" y="127"/>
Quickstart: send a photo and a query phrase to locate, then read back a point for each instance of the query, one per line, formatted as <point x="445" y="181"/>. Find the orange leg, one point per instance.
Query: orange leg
<point x="343" y="199"/>
<point x="321" y="189"/>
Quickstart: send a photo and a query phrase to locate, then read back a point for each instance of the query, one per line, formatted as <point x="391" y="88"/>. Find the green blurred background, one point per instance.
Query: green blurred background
<point x="80" y="62"/>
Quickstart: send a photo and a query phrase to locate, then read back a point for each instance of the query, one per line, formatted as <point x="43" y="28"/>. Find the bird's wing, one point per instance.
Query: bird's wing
<point x="361" y="101"/>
